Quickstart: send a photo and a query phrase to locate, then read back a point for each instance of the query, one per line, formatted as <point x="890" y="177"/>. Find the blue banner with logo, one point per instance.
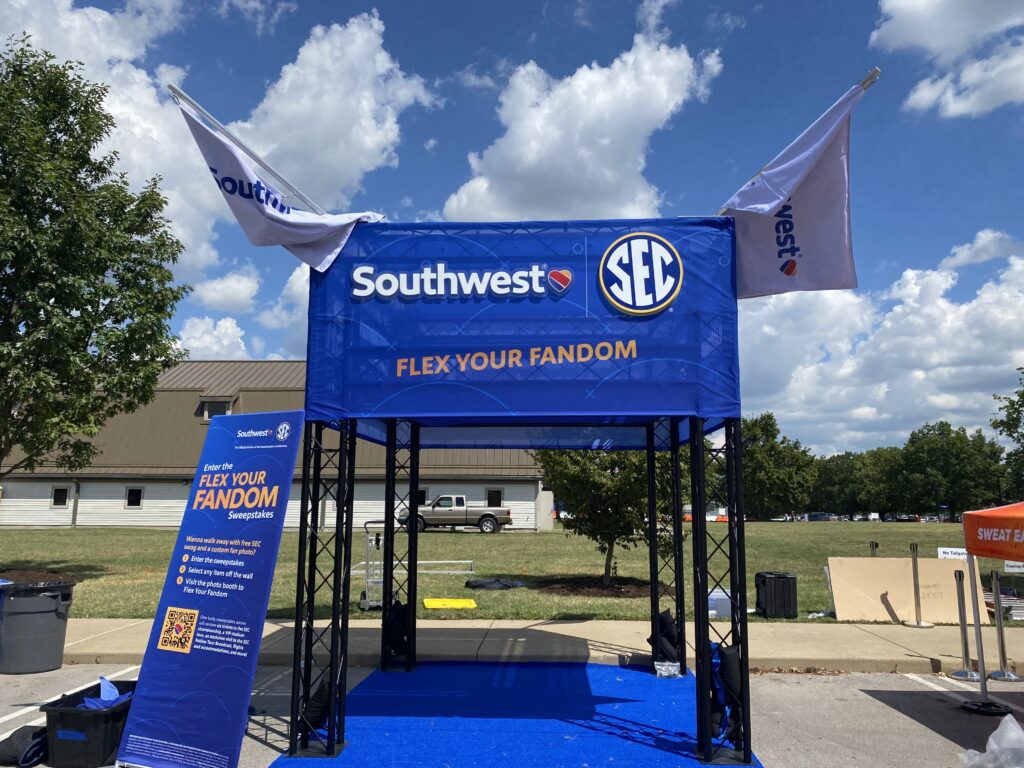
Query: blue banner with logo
<point x="543" y="323"/>
<point x="191" y="704"/>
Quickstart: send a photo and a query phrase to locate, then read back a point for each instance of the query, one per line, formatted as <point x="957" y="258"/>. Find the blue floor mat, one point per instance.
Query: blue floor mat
<point x="526" y="715"/>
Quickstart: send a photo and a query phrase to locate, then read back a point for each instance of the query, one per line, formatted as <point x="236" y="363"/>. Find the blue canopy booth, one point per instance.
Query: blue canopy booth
<point x="581" y="334"/>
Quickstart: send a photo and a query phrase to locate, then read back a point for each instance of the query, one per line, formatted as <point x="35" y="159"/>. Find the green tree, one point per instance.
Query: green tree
<point x="877" y="480"/>
<point x="946" y="469"/>
<point x="605" y="493"/>
<point x="1010" y="424"/>
<point x="86" y="291"/>
<point x="835" y="484"/>
<point x="778" y="473"/>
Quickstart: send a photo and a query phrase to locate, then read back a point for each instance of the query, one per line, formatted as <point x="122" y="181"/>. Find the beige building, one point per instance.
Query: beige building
<point x="143" y="474"/>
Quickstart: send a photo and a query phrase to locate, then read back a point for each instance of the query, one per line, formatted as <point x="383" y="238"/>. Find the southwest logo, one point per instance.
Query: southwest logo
<point x="560" y="280"/>
<point x="641" y="273"/>
<point x="785" y="239"/>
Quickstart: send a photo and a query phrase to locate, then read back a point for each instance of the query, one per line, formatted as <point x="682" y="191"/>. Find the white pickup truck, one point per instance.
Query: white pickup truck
<point x="451" y="510"/>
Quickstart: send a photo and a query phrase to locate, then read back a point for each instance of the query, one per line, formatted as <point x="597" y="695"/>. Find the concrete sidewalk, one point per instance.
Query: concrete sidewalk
<point x="773" y="645"/>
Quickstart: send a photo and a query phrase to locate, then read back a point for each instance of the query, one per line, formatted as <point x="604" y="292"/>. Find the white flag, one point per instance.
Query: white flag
<point x="262" y="212"/>
<point x="793" y="218"/>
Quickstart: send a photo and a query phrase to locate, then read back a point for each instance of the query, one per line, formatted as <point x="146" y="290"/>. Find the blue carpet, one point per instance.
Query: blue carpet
<point x="527" y="715"/>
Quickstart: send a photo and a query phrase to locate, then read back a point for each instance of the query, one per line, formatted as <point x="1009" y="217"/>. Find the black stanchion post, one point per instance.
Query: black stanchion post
<point x="966" y="673"/>
<point x="917" y="623"/>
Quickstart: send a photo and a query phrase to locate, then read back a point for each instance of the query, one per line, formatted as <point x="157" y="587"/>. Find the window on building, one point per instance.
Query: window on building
<point x="207" y="409"/>
<point x="217" y="408"/>
<point x="59" y="497"/>
<point x="133" y="497"/>
<point x="421" y="497"/>
<point x="495" y="496"/>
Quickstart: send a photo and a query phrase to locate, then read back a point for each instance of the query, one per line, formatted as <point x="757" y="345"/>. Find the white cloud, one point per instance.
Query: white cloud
<point x="725" y="21"/>
<point x="945" y="29"/>
<point x="430" y="144"/>
<point x="576" y="147"/>
<point x="263" y="14"/>
<point x="342" y="96"/>
<point x="206" y="339"/>
<point x="988" y="244"/>
<point x="581" y="14"/>
<point x="979" y="86"/>
<point x="289" y="313"/>
<point x="232" y="292"/>
<point x="469" y="77"/>
<point x="848" y="372"/>
<point x="977" y="50"/>
<point x="648" y="17"/>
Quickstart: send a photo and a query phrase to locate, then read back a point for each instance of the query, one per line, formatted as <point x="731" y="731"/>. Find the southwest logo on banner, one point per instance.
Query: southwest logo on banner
<point x="560" y="280"/>
<point x="641" y="274"/>
<point x="191" y="703"/>
<point x="438" y="281"/>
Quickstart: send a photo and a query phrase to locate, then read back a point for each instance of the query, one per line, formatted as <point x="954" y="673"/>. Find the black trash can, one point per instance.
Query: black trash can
<point x="33" y="625"/>
<point x="776" y="595"/>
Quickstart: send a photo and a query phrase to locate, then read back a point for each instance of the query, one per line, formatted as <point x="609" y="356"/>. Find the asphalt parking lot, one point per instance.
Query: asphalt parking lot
<point x="876" y="720"/>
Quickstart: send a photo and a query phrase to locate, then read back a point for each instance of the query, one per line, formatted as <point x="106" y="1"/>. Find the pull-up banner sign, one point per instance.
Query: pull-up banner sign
<point x="568" y="322"/>
<point x="191" y="703"/>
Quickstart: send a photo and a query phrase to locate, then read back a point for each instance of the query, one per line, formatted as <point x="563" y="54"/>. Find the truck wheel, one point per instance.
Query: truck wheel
<point x="421" y="524"/>
<point x="488" y="525"/>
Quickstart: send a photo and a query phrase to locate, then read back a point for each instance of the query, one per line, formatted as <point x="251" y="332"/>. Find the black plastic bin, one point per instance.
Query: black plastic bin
<point x="85" y="738"/>
<point x="776" y="595"/>
<point x="33" y="626"/>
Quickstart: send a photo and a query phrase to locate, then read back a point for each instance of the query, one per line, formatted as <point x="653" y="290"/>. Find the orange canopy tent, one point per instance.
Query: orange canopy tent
<point x="996" y="532"/>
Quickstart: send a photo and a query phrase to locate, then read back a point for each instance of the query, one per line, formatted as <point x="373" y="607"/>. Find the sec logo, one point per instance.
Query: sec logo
<point x="283" y="430"/>
<point x="641" y="273"/>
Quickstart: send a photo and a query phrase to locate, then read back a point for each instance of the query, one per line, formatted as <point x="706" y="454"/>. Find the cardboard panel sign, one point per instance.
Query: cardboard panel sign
<point x="882" y="589"/>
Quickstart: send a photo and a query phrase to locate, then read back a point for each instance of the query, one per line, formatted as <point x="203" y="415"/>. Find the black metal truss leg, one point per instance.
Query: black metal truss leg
<point x="401" y="539"/>
<point x="720" y="563"/>
<point x="701" y="640"/>
<point x="324" y="566"/>
<point x="665" y="536"/>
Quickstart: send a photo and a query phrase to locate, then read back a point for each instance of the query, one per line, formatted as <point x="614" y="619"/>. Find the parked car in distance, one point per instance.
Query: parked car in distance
<point x="451" y="510"/>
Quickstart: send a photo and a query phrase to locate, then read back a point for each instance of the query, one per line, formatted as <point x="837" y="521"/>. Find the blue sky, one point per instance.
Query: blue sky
<point x="649" y="108"/>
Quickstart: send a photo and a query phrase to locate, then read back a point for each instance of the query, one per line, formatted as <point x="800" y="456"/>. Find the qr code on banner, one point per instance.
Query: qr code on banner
<point x="179" y="628"/>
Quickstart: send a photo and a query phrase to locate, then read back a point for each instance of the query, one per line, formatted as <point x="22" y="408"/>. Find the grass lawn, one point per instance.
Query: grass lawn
<point x="121" y="571"/>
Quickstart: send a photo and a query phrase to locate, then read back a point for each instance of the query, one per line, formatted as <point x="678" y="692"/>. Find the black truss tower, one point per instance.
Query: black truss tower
<point x="401" y="494"/>
<point x="665" y="537"/>
<point x="719" y="562"/>
<point x="325" y="555"/>
<point x="319" y="671"/>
